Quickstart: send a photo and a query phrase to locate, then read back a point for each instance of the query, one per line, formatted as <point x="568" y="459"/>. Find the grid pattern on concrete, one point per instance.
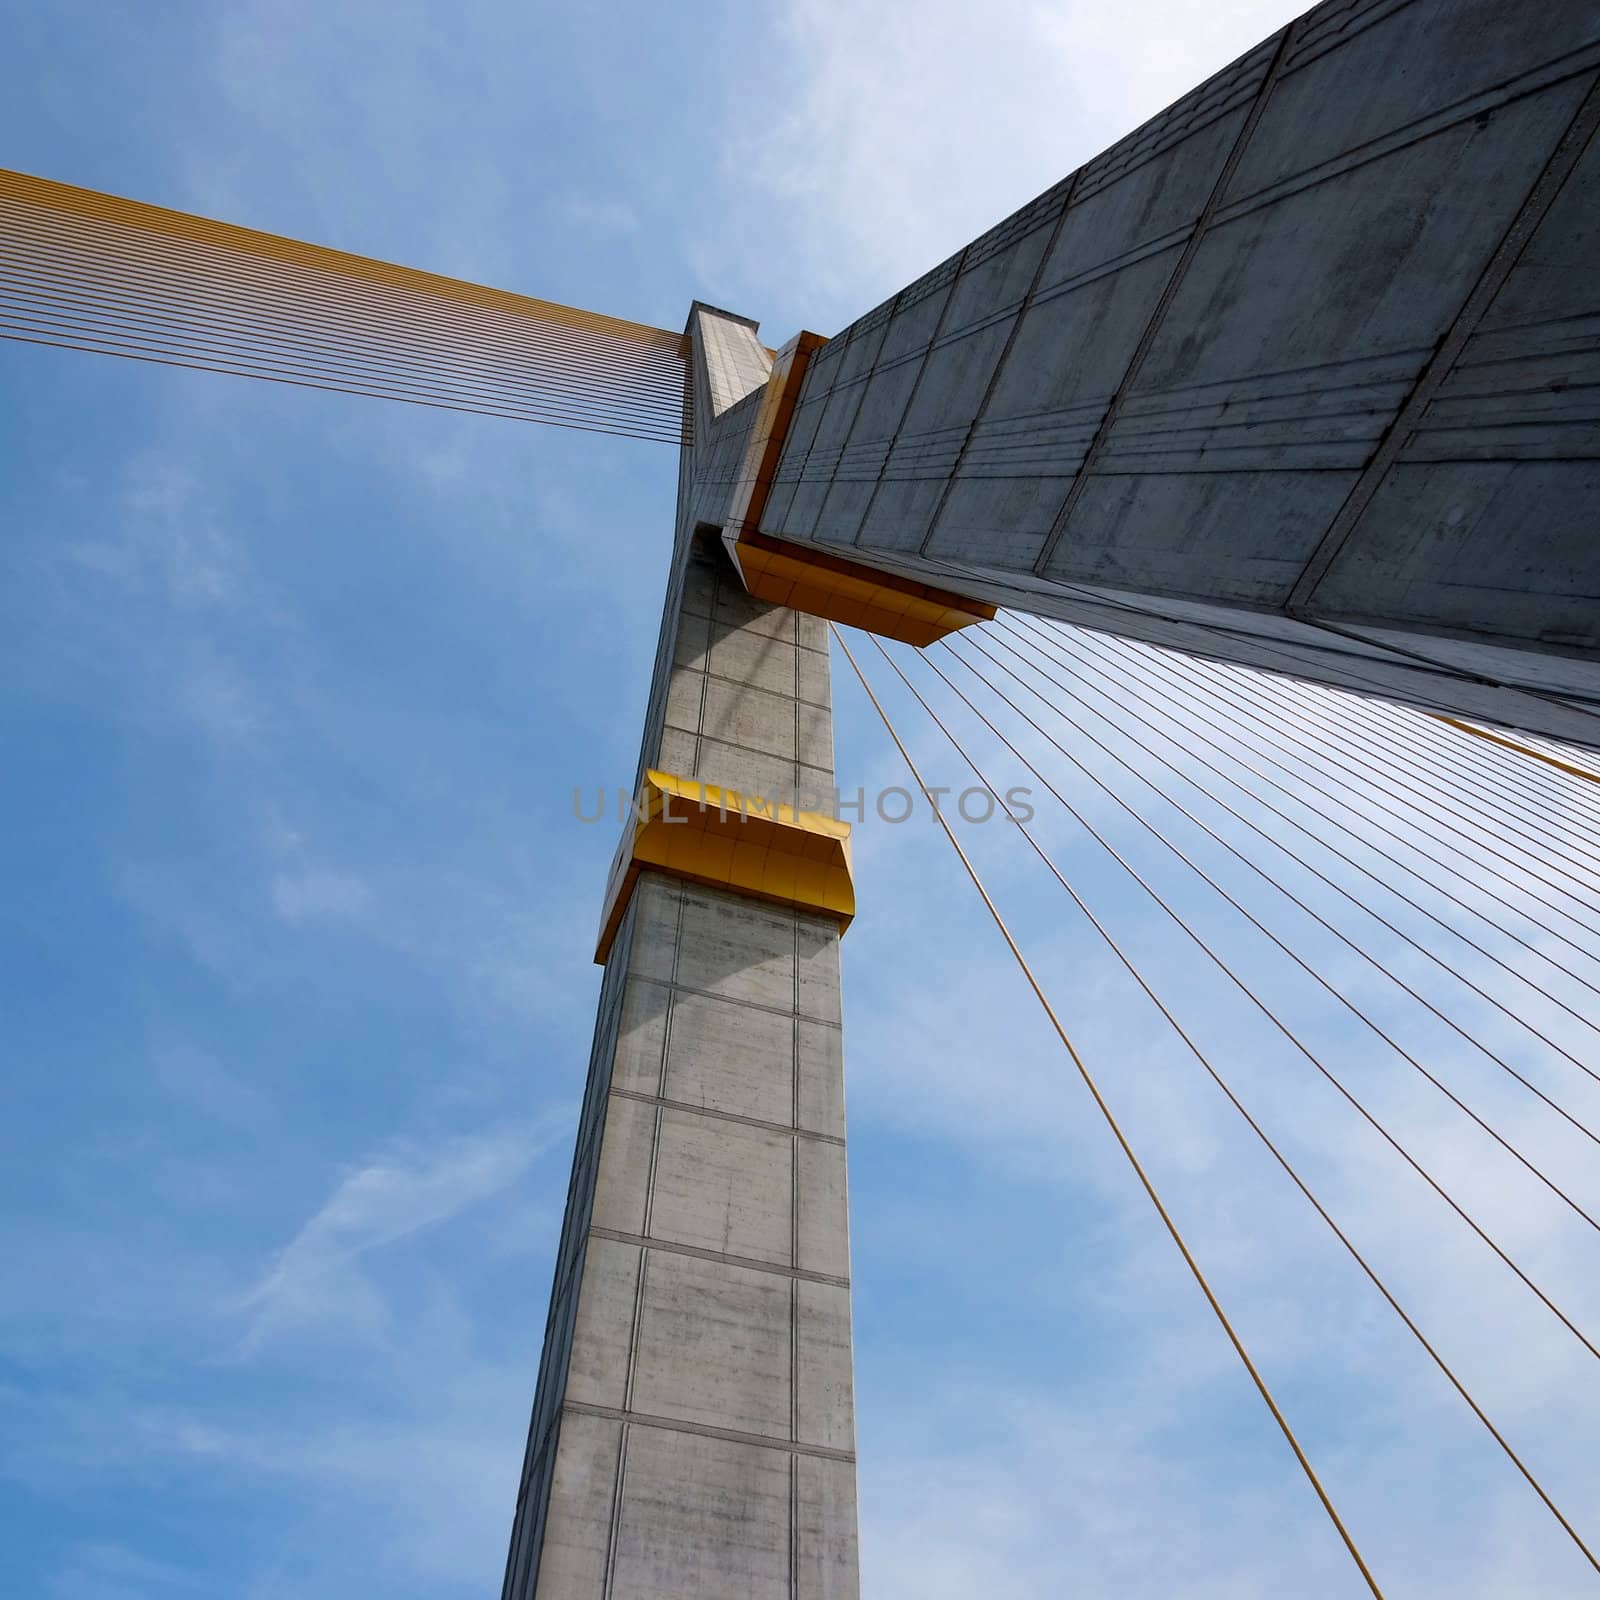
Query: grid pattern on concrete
<point x="693" y="1430"/>
<point x="704" y="1425"/>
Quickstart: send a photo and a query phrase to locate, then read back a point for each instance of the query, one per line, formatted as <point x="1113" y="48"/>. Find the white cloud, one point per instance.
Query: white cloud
<point x="315" y="1279"/>
<point x="888" y="135"/>
<point x="223" y="702"/>
<point x="415" y="1495"/>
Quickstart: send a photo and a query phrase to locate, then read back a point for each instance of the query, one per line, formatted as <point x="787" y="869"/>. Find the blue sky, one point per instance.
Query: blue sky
<point x="297" y="993"/>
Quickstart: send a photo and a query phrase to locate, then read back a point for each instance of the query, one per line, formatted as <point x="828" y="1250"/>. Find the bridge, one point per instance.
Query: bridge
<point x="1248" y="476"/>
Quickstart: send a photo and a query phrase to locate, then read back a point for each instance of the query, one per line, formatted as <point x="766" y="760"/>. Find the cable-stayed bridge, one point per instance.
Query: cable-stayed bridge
<point x="1234" y="500"/>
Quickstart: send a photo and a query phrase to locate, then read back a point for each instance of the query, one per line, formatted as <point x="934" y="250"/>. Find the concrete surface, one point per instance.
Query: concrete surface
<point x="693" y="1433"/>
<point x="1304" y="373"/>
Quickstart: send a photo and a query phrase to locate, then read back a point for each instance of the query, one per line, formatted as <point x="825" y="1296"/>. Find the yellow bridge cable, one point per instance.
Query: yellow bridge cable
<point x="95" y="272"/>
<point x="1518" y="784"/>
<point x="1507" y="743"/>
<point x="1537" y="783"/>
<point x="1121" y="1138"/>
<point x="1200" y="1056"/>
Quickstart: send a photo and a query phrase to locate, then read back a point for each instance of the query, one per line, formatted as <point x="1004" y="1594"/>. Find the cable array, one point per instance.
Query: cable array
<point x="88" y="271"/>
<point x="1417" y="874"/>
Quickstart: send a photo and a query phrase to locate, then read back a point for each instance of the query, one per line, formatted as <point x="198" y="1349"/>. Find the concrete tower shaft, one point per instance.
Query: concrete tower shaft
<point x="693" y="1432"/>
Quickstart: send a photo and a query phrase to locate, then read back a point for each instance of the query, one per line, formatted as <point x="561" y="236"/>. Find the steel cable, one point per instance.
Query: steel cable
<point x="1241" y="731"/>
<point x="1347" y="658"/>
<point x="1122" y="1141"/>
<point x="1200" y="1056"/>
<point x="1456" y="762"/>
<point x="1232" y="688"/>
<point x="1282" y="1028"/>
<point x="1300" y="860"/>
<point x="1266" y="1010"/>
<point x="92" y="272"/>
<point x="1211" y="742"/>
<point x="1517" y="768"/>
<point x="131" y="267"/>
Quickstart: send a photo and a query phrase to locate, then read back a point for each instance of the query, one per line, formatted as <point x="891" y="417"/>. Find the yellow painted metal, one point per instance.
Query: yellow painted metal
<point x="765" y="443"/>
<point x="807" y="579"/>
<point x="825" y="585"/>
<point x="766" y="849"/>
<point x="1521" y="749"/>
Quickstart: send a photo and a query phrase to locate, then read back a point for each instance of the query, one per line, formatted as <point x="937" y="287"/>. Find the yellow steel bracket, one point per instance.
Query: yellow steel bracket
<point x="803" y="577"/>
<point x="728" y="840"/>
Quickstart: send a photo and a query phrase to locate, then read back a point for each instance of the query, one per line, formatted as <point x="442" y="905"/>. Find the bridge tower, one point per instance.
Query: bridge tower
<point x="693" y="1431"/>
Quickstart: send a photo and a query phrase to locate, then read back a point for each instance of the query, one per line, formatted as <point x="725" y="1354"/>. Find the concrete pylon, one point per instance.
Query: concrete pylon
<point x="693" y="1432"/>
<point x="1301" y="374"/>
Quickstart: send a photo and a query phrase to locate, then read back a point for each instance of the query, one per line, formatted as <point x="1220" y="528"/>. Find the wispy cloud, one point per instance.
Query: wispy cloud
<point x="170" y="539"/>
<point x="894" y="133"/>
<point x="316" y="1281"/>
<point x="318" y="896"/>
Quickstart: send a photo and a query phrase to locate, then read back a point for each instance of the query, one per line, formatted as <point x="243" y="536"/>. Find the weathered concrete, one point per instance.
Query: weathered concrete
<point x="693" y="1433"/>
<point x="1304" y="373"/>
